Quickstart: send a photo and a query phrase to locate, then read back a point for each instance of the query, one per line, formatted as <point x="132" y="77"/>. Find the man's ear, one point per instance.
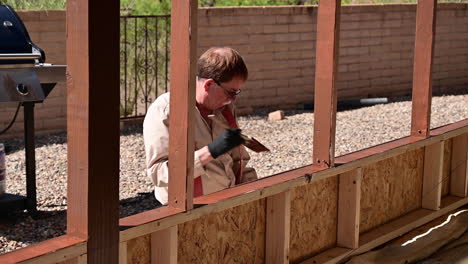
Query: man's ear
<point x="207" y="84"/>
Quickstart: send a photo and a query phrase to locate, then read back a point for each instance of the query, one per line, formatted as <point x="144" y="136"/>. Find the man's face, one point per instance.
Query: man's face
<point x="221" y="94"/>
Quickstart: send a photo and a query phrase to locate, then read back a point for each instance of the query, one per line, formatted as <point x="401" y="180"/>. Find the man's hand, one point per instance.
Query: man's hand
<point x="229" y="139"/>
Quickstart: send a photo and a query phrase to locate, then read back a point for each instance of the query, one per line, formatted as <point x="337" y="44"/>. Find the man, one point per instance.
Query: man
<point x="220" y="159"/>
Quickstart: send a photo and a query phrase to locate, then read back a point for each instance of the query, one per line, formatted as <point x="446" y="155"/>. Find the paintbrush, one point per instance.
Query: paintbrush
<point x="253" y="144"/>
<point x="249" y="142"/>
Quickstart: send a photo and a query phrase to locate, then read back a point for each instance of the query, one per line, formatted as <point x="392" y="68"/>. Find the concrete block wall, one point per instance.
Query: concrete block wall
<point x="376" y="50"/>
<point x="278" y="44"/>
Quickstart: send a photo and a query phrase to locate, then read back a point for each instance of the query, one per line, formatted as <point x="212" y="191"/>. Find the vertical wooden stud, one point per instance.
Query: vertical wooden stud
<point x="123" y="256"/>
<point x="349" y="208"/>
<point x="182" y="102"/>
<point x="325" y="97"/>
<point x="432" y="178"/>
<point x="459" y="171"/>
<point x="278" y="221"/>
<point x="93" y="116"/>
<point x="164" y="246"/>
<point x="422" y="72"/>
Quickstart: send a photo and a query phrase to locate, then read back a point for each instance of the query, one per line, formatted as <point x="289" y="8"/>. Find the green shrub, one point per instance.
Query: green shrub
<point x="35" y="4"/>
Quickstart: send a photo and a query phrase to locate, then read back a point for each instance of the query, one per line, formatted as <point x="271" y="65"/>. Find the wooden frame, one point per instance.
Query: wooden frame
<point x="349" y="208"/>
<point x="459" y="175"/>
<point x="422" y="73"/>
<point x="325" y="99"/>
<point x="182" y="103"/>
<point x="278" y="217"/>
<point x="88" y="240"/>
<point x="93" y="130"/>
<point x="432" y="182"/>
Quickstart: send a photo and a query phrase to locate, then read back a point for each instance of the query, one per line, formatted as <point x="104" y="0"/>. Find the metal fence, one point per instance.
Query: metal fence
<point x="144" y="57"/>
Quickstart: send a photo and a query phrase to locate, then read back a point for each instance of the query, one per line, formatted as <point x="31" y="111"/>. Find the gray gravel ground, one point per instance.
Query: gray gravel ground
<point x="290" y="141"/>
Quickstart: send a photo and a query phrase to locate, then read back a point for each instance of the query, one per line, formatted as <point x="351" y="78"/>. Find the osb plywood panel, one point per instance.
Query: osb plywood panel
<point x="391" y="188"/>
<point x="139" y="250"/>
<point x="78" y="260"/>
<point x="447" y="167"/>
<point x="313" y="218"/>
<point x="236" y="235"/>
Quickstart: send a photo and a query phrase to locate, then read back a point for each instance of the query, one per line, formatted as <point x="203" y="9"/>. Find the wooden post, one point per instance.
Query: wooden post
<point x="328" y="21"/>
<point x="164" y="246"/>
<point x="349" y="208"/>
<point x="432" y="178"/>
<point x="93" y="84"/>
<point x="182" y="103"/>
<point x="459" y="171"/>
<point x="278" y="221"/>
<point x="422" y="72"/>
<point x="123" y="254"/>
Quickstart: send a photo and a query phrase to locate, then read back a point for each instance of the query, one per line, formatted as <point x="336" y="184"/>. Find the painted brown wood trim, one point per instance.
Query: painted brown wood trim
<point x="422" y="71"/>
<point x="148" y="216"/>
<point x="93" y="117"/>
<point x="450" y="127"/>
<point x="56" y="249"/>
<point x="148" y="222"/>
<point x="389" y="231"/>
<point x="253" y="186"/>
<point x="182" y="103"/>
<point x="326" y="70"/>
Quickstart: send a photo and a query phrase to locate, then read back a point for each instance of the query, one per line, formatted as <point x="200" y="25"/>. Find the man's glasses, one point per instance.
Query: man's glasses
<point x="230" y="94"/>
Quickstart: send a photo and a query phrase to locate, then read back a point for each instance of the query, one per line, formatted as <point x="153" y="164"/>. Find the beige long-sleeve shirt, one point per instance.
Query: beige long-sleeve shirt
<point x="216" y="175"/>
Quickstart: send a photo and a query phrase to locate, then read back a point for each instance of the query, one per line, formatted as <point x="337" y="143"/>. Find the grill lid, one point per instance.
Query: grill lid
<point x="16" y="46"/>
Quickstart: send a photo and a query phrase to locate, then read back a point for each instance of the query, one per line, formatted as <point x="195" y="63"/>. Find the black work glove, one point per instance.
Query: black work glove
<point x="229" y="139"/>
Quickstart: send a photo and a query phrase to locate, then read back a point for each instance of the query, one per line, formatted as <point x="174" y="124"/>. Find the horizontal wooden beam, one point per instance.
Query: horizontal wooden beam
<point x="50" y="251"/>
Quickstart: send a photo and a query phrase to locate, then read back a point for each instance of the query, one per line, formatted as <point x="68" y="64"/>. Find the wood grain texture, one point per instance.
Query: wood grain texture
<point x="432" y="176"/>
<point x="236" y="235"/>
<point x="153" y="220"/>
<point x="78" y="260"/>
<point x="182" y="103"/>
<point x="278" y="225"/>
<point x="387" y="232"/>
<point x="50" y="251"/>
<point x="459" y="173"/>
<point x="391" y="188"/>
<point x="164" y="246"/>
<point x="349" y="208"/>
<point x="422" y="72"/>
<point x="139" y="250"/>
<point x="447" y="167"/>
<point x="314" y="218"/>
<point x="93" y="126"/>
<point x="123" y="253"/>
<point x="326" y="70"/>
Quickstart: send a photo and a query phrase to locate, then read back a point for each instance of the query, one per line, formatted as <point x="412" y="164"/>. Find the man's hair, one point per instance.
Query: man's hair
<point x="221" y="64"/>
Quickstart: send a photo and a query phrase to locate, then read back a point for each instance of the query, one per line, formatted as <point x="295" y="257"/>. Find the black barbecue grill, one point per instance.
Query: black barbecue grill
<point x="22" y="68"/>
